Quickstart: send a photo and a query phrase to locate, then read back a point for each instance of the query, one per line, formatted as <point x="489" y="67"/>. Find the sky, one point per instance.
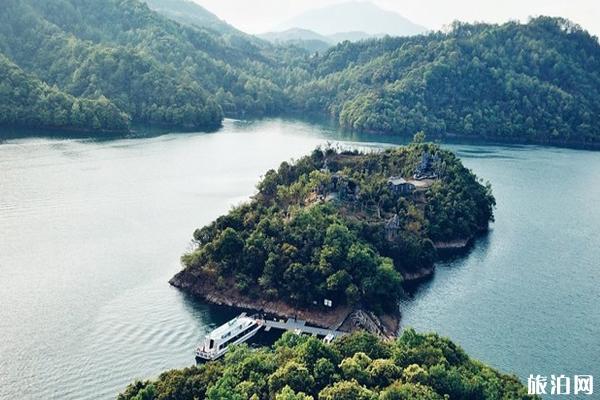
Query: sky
<point x="258" y="16"/>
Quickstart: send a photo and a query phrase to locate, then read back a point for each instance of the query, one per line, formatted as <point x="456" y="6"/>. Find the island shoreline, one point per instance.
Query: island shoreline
<point x="338" y="318"/>
<point x="388" y="324"/>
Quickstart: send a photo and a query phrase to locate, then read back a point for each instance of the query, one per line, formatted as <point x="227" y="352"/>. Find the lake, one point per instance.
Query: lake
<point x="91" y="231"/>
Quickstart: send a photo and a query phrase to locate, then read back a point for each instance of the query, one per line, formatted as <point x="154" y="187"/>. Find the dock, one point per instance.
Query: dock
<point x="242" y="328"/>
<point x="300" y="327"/>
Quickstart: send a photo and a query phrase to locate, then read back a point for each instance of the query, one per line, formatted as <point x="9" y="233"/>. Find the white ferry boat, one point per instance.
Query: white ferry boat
<point x="236" y="331"/>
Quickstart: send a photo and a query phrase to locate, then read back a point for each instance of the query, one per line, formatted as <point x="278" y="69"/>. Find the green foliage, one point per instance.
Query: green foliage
<point x="27" y="102"/>
<point x="292" y="370"/>
<point x="149" y="67"/>
<point x="293" y="375"/>
<point x="362" y="342"/>
<point x="317" y="228"/>
<point x="534" y="82"/>
<point x="409" y="391"/>
<point x="346" y="390"/>
<point x="288" y="394"/>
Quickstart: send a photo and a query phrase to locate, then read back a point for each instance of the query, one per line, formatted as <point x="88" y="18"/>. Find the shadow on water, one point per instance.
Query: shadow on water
<point x="209" y="315"/>
<point x="449" y="258"/>
<point x="137" y="132"/>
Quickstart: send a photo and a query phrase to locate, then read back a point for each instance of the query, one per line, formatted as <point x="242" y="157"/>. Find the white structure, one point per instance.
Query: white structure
<point x="236" y="331"/>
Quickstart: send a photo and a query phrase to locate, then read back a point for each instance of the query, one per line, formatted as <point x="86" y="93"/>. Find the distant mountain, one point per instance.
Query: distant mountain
<point x="294" y="34"/>
<point x="353" y="36"/>
<point x="189" y="13"/>
<point x="313" y="41"/>
<point x="302" y="38"/>
<point x="353" y="16"/>
<point x="96" y="66"/>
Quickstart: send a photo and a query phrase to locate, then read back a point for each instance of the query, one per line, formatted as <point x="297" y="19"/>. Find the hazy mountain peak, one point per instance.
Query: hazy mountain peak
<point x="294" y="34"/>
<point x="352" y="16"/>
<point x="190" y="13"/>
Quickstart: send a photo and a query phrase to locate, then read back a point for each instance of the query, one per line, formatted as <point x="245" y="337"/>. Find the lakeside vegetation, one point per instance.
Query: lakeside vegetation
<point x="534" y="82"/>
<point x="357" y="367"/>
<point x="27" y="102"/>
<point x="331" y="226"/>
<point x="154" y="70"/>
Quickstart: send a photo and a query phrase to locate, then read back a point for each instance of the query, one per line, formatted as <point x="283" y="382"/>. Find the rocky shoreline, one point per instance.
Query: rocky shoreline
<point x="442" y="247"/>
<point x="457" y="244"/>
<point x="422" y="273"/>
<point x="344" y="318"/>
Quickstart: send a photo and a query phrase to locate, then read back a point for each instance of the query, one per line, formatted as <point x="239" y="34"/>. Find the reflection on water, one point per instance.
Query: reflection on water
<point x="93" y="229"/>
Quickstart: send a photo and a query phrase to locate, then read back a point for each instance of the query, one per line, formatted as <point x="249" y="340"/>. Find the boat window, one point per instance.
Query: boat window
<point x="234" y="338"/>
<point x="211" y="344"/>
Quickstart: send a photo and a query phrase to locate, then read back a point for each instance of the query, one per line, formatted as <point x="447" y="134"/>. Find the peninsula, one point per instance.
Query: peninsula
<point x="330" y="238"/>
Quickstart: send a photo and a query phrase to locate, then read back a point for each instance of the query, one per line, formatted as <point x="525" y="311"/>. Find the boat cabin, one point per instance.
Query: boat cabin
<point x="236" y="331"/>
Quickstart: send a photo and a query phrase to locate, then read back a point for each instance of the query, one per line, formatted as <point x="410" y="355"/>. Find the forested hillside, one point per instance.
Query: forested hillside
<point x="153" y="69"/>
<point x="357" y="367"/>
<point x="190" y="13"/>
<point x="27" y="102"/>
<point x="536" y="82"/>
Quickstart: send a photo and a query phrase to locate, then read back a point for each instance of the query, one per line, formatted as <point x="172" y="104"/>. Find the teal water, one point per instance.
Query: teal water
<point x="91" y="231"/>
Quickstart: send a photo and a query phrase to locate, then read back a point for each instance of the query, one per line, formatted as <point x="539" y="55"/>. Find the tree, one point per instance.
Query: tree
<point x="346" y="390"/>
<point x="364" y="343"/>
<point x="383" y="372"/>
<point x="355" y="368"/>
<point x="228" y="245"/>
<point x="292" y="375"/>
<point x="288" y="394"/>
<point x="409" y="391"/>
<point x="419" y="137"/>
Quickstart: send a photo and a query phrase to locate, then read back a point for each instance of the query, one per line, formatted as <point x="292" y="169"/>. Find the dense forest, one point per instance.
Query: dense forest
<point x="537" y="82"/>
<point x="356" y="367"/>
<point x="153" y="69"/>
<point x="334" y="225"/>
<point x="534" y="82"/>
<point x="27" y="102"/>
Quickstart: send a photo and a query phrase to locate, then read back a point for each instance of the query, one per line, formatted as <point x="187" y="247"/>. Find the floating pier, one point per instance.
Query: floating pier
<point x="300" y="327"/>
<point x="242" y="328"/>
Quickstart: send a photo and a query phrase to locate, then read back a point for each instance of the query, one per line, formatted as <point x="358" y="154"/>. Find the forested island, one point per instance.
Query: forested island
<point x="105" y="65"/>
<point x="356" y="367"/>
<point x="344" y="226"/>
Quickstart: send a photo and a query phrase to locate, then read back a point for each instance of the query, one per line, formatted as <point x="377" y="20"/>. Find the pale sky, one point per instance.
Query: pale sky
<point x="257" y="16"/>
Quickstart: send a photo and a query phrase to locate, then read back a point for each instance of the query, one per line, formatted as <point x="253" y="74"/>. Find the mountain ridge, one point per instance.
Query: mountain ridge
<point x="352" y="16"/>
<point x="312" y="41"/>
<point x="534" y="82"/>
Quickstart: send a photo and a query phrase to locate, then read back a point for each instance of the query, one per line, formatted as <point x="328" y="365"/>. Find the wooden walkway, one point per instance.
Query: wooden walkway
<point x="297" y="325"/>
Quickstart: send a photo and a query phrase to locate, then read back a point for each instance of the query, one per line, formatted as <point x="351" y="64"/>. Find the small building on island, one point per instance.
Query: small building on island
<point x="399" y="185"/>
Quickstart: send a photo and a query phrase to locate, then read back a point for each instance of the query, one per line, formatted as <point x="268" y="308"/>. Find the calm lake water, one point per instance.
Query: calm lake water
<point x="91" y="231"/>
